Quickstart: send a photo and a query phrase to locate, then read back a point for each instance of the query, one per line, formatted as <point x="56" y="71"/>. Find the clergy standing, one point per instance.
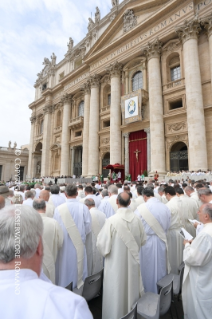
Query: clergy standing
<point x="44" y="194"/>
<point x="113" y="193"/>
<point x="105" y="206"/>
<point x="175" y="241"/>
<point x="89" y="194"/>
<point x="75" y="221"/>
<point x="55" y="198"/>
<point x="119" y="242"/>
<point x="98" y="219"/>
<point x="52" y="239"/>
<point x="197" y="284"/>
<point x="156" y="218"/>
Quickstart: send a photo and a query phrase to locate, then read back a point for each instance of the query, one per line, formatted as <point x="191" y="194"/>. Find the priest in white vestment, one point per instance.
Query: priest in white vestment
<point x="175" y="241"/>
<point x="197" y="283"/>
<point x="44" y="194"/>
<point x="190" y="192"/>
<point x="156" y="218"/>
<point x="29" y="196"/>
<point x="113" y="193"/>
<point x="98" y="220"/>
<point x="89" y="194"/>
<point x="81" y="193"/>
<point x="22" y="294"/>
<point x="119" y="242"/>
<point x="75" y="221"/>
<point x="52" y="239"/>
<point x="105" y="206"/>
<point x="55" y="198"/>
<point x="162" y="194"/>
<point x="205" y="195"/>
<point x="139" y="200"/>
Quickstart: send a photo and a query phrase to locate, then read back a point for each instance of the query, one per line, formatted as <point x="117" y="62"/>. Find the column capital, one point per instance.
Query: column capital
<point x="147" y="130"/>
<point x="188" y="30"/>
<point x="153" y="49"/>
<point x="207" y="24"/>
<point x="126" y="135"/>
<point x="48" y="109"/>
<point x="94" y="80"/>
<point x="86" y="87"/>
<point x="33" y="119"/>
<point x="114" y="69"/>
<point x="66" y="98"/>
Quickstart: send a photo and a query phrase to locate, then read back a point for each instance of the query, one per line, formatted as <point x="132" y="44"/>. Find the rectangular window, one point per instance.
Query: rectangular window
<point x="44" y="86"/>
<point x="109" y="99"/>
<point x="106" y="124"/>
<point x="175" y="73"/>
<point x="175" y="104"/>
<point x="77" y="134"/>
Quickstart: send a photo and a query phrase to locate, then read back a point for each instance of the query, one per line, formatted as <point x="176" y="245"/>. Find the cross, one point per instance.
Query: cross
<point x="136" y="154"/>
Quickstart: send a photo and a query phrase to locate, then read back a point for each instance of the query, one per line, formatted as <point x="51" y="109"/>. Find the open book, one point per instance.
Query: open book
<point x="185" y="234"/>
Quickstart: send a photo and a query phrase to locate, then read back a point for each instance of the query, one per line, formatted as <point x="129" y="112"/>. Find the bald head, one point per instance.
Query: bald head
<point x="123" y="200"/>
<point x="2" y="202"/>
<point x="44" y="195"/>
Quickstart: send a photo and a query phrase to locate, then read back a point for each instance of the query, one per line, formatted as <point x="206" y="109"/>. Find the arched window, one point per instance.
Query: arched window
<point x="137" y="81"/>
<point x="41" y="127"/>
<point x="174" y="66"/>
<point x="81" y="109"/>
<point x="58" y="123"/>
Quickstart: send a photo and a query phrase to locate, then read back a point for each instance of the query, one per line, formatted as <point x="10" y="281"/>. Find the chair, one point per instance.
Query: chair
<point x="70" y="286"/>
<point x="152" y="306"/>
<point x="92" y="286"/>
<point x="132" y="314"/>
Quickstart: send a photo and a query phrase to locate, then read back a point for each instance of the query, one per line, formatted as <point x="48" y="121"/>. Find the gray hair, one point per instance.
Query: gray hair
<point x="113" y="189"/>
<point x="33" y="191"/>
<point x="189" y="188"/>
<point x="207" y="209"/>
<point x="104" y="192"/>
<point x="161" y="189"/>
<point x="17" y="199"/>
<point x="150" y="185"/>
<point x="39" y="204"/>
<point x="204" y="191"/>
<point x="89" y="202"/>
<point x="29" y="194"/>
<point x="21" y="229"/>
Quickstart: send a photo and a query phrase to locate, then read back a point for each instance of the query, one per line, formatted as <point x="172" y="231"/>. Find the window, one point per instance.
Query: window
<point x="77" y="134"/>
<point x="175" y="104"/>
<point x="109" y="99"/>
<point x="106" y="123"/>
<point x="175" y="73"/>
<point x="44" y="86"/>
<point x="137" y="81"/>
<point x="41" y="127"/>
<point x="81" y="109"/>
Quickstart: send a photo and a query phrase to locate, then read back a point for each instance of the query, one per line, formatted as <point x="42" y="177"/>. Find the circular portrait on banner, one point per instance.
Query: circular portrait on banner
<point x="131" y="107"/>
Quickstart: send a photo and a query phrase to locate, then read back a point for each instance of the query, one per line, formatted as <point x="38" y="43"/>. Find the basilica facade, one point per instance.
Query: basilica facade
<point x="135" y="91"/>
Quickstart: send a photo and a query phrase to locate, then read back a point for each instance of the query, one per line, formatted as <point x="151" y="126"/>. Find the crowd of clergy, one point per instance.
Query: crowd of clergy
<point x="132" y="231"/>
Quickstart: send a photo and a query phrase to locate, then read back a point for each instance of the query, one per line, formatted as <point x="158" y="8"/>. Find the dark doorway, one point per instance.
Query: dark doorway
<point x="22" y="173"/>
<point x="105" y="162"/>
<point x="179" y="157"/>
<point x="0" y="171"/>
<point x="78" y="161"/>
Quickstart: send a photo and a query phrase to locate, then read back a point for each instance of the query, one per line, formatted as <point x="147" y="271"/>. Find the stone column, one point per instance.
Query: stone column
<point x="33" y="120"/>
<point x="115" y="113"/>
<point x="66" y="100"/>
<point x="126" y="82"/>
<point x="72" y="160"/>
<point x="93" y="148"/>
<point x="195" y="112"/>
<point x="152" y="52"/>
<point x="126" y="155"/>
<point x="85" y="146"/>
<point x="147" y="130"/>
<point x="144" y="78"/>
<point x="46" y="141"/>
<point x="207" y="23"/>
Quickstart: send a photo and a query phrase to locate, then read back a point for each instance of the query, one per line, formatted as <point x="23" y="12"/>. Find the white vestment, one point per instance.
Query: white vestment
<point x="139" y="200"/>
<point x="175" y="241"/>
<point x="38" y="299"/>
<point x="153" y="255"/>
<point x="37" y="190"/>
<point x="56" y="200"/>
<point x="119" y="242"/>
<point x="52" y="242"/>
<point x="197" y="284"/>
<point x="163" y="199"/>
<point x="158" y="196"/>
<point x="106" y="207"/>
<point x="97" y="199"/>
<point x="133" y="204"/>
<point x="112" y="201"/>
<point x="194" y="196"/>
<point x="49" y="210"/>
<point x="66" y="265"/>
<point x="28" y="202"/>
<point x="81" y="193"/>
<point x="186" y="211"/>
<point x="98" y="220"/>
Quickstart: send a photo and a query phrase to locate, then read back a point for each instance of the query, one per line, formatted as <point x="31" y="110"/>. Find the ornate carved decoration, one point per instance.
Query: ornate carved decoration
<point x="48" y="109"/>
<point x="114" y="3"/>
<point x="177" y="126"/>
<point x="207" y="24"/>
<point x="126" y="135"/>
<point x="70" y="44"/>
<point x="86" y="87"/>
<point x="147" y="130"/>
<point x="171" y="46"/>
<point x="129" y="20"/>
<point x="33" y="119"/>
<point x="112" y="17"/>
<point x="105" y="79"/>
<point x="114" y="69"/>
<point x="188" y="30"/>
<point x="104" y="151"/>
<point x="94" y="80"/>
<point x="91" y="24"/>
<point x="153" y="49"/>
<point x="49" y="69"/>
<point x="105" y="140"/>
<point x="174" y="139"/>
<point x="66" y="98"/>
<point x="97" y="15"/>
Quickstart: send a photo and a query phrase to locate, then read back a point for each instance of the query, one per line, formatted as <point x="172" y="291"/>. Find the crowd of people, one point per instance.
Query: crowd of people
<point x="131" y="230"/>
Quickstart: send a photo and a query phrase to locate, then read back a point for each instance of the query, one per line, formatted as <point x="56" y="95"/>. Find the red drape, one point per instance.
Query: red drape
<point x="135" y="143"/>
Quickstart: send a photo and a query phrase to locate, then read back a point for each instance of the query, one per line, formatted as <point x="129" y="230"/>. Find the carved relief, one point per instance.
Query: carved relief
<point x="94" y="80"/>
<point x="174" y="139"/>
<point x="153" y="49"/>
<point x="66" y="98"/>
<point x="115" y="69"/>
<point x="49" y="68"/>
<point x="175" y="127"/>
<point x="188" y="30"/>
<point x="130" y="20"/>
<point x="105" y="140"/>
<point x="207" y="24"/>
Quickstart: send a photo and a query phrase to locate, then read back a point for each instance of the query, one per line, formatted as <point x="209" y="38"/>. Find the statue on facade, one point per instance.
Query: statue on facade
<point x="70" y="44"/>
<point x="115" y="3"/>
<point x="38" y="168"/>
<point x="15" y="145"/>
<point x="46" y="62"/>
<point x="53" y="57"/>
<point x="97" y="15"/>
<point x="90" y="24"/>
<point x="9" y="144"/>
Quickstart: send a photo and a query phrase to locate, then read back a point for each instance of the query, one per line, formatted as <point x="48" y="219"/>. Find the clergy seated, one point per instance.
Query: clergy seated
<point x="197" y="285"/>
<point x="52" y="239"/>
<point x="22" y="293"/>
<point x="119" y="242"/>
<point x="98" y="219"/>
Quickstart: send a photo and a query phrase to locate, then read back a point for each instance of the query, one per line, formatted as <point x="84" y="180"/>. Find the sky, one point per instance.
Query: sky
<point x="29" y="31"/>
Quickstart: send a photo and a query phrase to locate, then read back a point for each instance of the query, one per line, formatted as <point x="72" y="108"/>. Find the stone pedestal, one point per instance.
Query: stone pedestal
<point x="194" y="100"/>
<point x="85" y="152"/>
<point x="66" y="100"/>
<point x="147" y="130"/>
<point x="46" y="141"/>
<point x="126" y="155"/>
<point x="93" y="148"/>
<point x="152" y="52"/>
<point x="115" y="113"/>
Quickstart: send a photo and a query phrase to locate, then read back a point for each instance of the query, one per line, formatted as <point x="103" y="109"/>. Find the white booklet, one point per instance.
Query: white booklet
<point x="185" y="234"/>
<point x="193" y="221"/>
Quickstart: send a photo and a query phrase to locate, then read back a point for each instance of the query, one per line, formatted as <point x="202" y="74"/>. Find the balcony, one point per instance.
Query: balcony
<point x="105" y="109"/>
<point x="77" y="122"/>
<point x="175" y="84"/>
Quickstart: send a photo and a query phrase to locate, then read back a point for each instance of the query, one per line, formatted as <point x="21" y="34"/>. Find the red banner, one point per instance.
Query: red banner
<point x="137" y="153"/>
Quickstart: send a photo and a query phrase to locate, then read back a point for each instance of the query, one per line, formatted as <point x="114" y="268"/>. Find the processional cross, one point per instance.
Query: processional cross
<point x="136" y="154"/>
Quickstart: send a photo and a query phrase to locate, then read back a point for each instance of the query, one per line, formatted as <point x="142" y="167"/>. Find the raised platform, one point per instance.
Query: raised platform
<point x="68" y="180"/>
